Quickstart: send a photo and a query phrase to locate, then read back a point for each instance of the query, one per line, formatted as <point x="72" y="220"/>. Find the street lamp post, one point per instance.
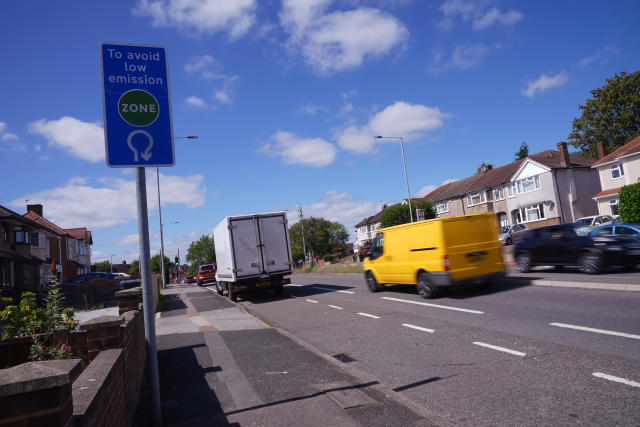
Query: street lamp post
<point x="404" y="166"/>
<point x="164" y="280"/>
<point x="111" y="263"/>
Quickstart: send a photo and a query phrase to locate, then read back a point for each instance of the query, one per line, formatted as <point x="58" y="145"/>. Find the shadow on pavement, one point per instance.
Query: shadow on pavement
<point x="308" y="396"/>
<point x="186" y="377"/>
<point x="173" y="302"/>
<point x="259" y="297"/>
<point x="419" y="383"/>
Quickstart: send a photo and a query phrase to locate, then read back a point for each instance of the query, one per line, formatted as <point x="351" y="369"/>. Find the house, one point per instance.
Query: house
<point x="615" y="170"/>
<point x="545" y="188"/>
<point x="367" y="228"/>
<point x="121" y="268"/>
<point x="18" y="268"/>
<point x="68" y="249"/>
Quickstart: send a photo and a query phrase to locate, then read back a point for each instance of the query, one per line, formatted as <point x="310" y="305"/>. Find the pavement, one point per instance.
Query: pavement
<point x="219" y="365"/>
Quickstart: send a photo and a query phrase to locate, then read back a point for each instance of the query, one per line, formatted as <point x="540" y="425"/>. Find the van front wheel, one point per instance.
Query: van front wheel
<point x="372" y="283"/>
<point x="425" y="289"/>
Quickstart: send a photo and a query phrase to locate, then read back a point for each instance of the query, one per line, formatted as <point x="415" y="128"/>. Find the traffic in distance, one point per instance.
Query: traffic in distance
<point x="253" y="252"/>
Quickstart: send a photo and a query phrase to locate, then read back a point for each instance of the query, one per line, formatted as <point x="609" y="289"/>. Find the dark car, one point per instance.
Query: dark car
<point x="559" y="245"/>
<point x="83" y="278"/>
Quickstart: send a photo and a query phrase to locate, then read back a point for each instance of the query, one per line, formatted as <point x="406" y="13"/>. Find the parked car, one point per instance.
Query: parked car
<point x="363" y="252"/>
<point x="206" y="274"/>
<point x="586" y="224"/>
<point x="83" y="278"/>
<point x="560" y="245"/>
<point x="511" y="233"/>
<point x="616" y="220"/>
<point x="189" y="279"/>
<point x="617" y="229"/>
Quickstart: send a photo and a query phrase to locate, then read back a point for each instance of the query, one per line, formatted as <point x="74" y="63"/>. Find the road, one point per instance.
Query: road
<point x="511" y="354"/>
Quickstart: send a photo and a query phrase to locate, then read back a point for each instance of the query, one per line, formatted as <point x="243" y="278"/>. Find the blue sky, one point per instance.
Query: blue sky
<point x="286" y="96"/>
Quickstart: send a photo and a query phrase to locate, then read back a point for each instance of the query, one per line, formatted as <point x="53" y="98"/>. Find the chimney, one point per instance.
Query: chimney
<point x="601" y="152"/>
<point x="36" y="209"/>
<point x="564" y="154"/>
<point x="124" y="262"/>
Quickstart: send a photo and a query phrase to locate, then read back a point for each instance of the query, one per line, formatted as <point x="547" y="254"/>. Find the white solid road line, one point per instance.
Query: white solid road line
<point x="434" y="305"/>
<point x="336" y="307"/>
<point x="599" y="331"/>
<point x="495" y="347"/>
<point x="616" y="379"/>
<point x="369" y="315"/>
<point x="312" y="300"/>
<point x="418" y="328"/>
<point x="331" y="289"/>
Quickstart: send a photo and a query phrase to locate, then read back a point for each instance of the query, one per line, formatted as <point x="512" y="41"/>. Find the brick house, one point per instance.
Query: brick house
<point x="615" y="170"/>
<point x="18" y="268"/>
<point x="545" y="188"/>
<point x="69" y="249"/>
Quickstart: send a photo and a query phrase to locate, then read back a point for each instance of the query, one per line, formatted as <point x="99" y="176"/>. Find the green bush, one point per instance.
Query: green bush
<point x="629" y="203"/>
<point x="328" y="258"/>
<point x="399" y="213"/>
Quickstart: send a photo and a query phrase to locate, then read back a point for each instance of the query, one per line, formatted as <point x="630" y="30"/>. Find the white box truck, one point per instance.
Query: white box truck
<point x="253" y="253"/>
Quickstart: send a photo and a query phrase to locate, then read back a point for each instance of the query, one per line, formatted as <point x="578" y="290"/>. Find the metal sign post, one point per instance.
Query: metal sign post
<point x="138" y="132"/>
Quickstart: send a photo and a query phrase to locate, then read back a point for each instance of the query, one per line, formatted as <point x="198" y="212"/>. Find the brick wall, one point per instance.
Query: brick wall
<point x="545" y="222"/>
<point x="135" y="356"/>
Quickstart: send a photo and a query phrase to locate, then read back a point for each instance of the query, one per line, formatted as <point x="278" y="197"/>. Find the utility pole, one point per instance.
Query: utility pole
<point x="301" y="217"/>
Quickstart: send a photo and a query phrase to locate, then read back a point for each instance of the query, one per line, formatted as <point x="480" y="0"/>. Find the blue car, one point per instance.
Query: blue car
<point x="618" y="229"/>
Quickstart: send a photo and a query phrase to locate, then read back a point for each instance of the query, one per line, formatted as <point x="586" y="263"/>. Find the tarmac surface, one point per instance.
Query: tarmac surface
<point x="219" y="365"/>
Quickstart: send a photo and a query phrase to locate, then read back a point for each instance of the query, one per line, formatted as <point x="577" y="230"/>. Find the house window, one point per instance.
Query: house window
<point x="363" y="229"/>
<point x="530" y="213"/>
<point x="528" y="184"/>
<point x="498" y="193"/>
<point x="512" y="189"/>
<point x="41" y="241"/>
<point x="613" y="205"/>
<point x="476" y="198"/>
<point x="5" y="232"/>
<point x="442" y="207"/>
<point x="22" y="236"/>
<point x="74" y="247"/>
<point x="617" y="171"/>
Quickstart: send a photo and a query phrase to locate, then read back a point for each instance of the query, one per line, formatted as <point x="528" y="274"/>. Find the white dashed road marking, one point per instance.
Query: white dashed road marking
<point x="336" y="307"/>
<point x="434" y="305"/>
<point x="312" y="300"/>
<point x="332" y="290"/>
<point x="598" y="331"/>
<point x="419" y="328"/>
<point x="495" y="347"/>
<point x="616" y="379"/>
<point x="369" y="315"/>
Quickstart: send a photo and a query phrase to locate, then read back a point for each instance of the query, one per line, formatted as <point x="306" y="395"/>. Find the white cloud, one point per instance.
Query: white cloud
<point x="448" y="181"/>
<point x="336" y="206"/>
<point x="476" y="13"/>
<point x="599" y="56"/>
<point x="410" y="121"/>
<point x="544" y="83"/>
<point x="131" y="239"/>
<point x="234" y="17"/>
<point x="312" y="109"/>
<point x="82" y="139"/>
<point x="463" y="56"/>
<point x="425" y="190"/>
<point x="295" y="150"/>
<point x="210" y="70"/>
<point x="78" y="204"/>
<point x="195" y="102"/>
<point x="341" y="40"/>
<point x="10" y="141"/>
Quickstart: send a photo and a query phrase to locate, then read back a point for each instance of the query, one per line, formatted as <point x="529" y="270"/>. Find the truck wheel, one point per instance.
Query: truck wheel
<point x="590" y="263"/>
<point x="233" y="295"/>
<point x="425" y="289"/>
<point x="219" y="288"/>
<point x="372" y="283"/>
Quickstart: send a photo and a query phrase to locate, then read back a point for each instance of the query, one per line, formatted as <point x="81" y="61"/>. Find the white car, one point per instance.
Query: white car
<point x="586" y="224"/>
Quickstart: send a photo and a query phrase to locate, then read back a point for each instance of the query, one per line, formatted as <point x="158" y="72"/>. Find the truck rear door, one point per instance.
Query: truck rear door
<point x="245" y="244"/>
<point x="275" y="244"/>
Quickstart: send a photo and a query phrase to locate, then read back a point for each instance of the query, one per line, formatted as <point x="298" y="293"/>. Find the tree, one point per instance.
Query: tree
<point x="297" y="253"/>
<point x="202" y="251"/>
<point x="629" y="203"/>
<point x="399" y="213"/>
<point x="523" y="152"/>
<point x="134" y="267"/>
<point x="611" y="116"/>
<point x="321" y="236"/>
<point x="103" y="266"/>
<point x="156" y="267"/>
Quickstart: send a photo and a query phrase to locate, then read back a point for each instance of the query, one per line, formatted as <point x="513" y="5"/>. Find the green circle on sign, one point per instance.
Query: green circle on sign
<point x="138" y="107"/>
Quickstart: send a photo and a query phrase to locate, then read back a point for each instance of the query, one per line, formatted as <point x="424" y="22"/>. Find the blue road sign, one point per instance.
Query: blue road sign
<point x="138" y="130"/>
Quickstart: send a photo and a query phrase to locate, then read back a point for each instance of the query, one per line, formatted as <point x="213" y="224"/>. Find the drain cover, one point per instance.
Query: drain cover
<point x="344" y="358"/>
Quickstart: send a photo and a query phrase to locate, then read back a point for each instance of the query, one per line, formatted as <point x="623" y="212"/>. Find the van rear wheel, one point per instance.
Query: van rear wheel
<point x="372" y="283"/>
<point x="425" y="288"/>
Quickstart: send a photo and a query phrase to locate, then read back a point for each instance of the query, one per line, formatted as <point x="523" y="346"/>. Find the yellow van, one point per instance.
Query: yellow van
<point x="436" y="253"/>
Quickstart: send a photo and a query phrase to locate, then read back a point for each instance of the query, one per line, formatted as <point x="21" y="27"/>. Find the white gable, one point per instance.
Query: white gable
<point x="529" y="168"/>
